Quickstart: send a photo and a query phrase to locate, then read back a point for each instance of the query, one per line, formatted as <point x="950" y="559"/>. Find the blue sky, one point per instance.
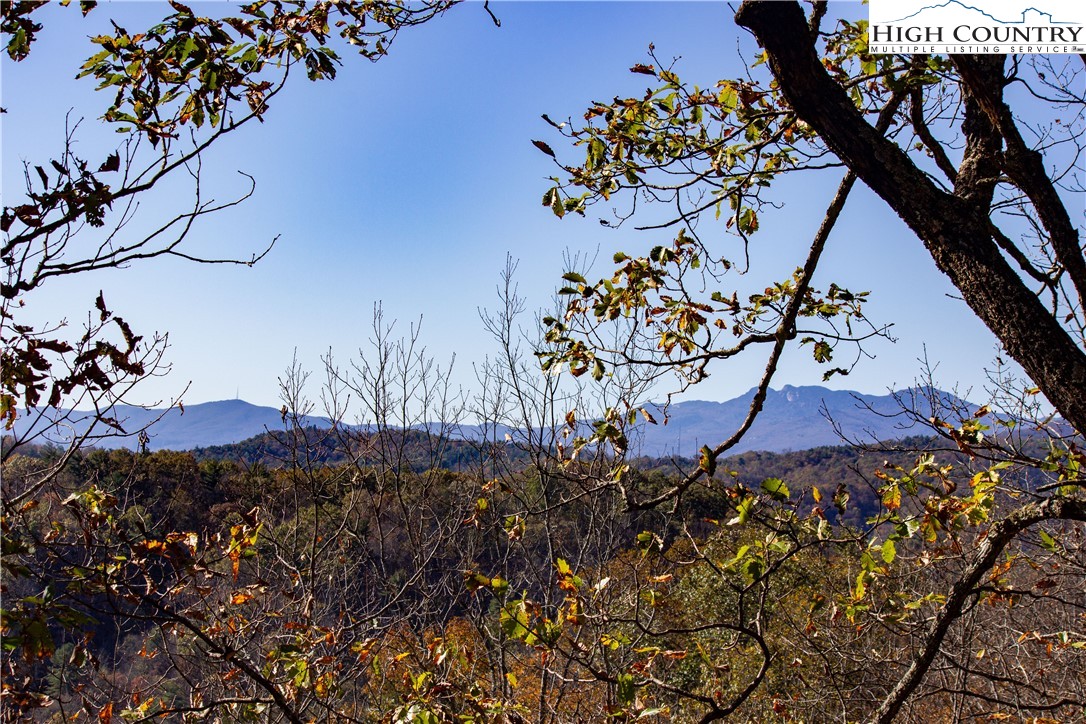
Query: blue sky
<point x="407" y="182"/>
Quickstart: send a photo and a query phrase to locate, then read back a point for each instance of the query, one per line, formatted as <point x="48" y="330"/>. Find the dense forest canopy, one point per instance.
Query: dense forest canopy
<point x="548" y="576"/>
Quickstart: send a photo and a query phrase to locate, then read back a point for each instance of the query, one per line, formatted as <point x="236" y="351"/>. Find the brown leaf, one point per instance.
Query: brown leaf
<point x="544" y="148"/>
<point x="183" y="9"/>
<point x="28" y="214"/>
<point x="113" y="163"/>
<point x="241" y="26"/>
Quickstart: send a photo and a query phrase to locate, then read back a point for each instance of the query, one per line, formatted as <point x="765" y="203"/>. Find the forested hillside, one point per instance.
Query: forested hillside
<point x="467" y="581"/>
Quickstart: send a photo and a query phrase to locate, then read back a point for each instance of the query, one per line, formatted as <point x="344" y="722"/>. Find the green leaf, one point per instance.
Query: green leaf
<point x="748" y="221"/>
<point x="889" y="551"/>
<point x="707" y="462"/>
<point x="728" y="98"/>
<point x="596" y="152"/>
<point x="557" y="206"/>
<point x="739" y="555"/>
<point x="1047" y="541"/>
<point x="626" y="689"/>
<point x="514" y="621"/>
<point x="753" y="569"/>
<point x="614" y="639"/>
<point x="861" y="586"/>
<point x="648" y="541"/>
<point x="743" y="508"/>
<point x="776" y="488"/>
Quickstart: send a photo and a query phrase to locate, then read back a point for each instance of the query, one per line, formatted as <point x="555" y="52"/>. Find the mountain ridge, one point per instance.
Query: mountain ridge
<point x="793" y="418"/>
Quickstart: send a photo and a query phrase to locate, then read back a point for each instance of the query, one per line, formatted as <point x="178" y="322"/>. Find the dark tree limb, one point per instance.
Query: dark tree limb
<point x="982" y="162"/>
<point x="1007" y="245"/>
<point x="988" y="551"/>
<point x="953" y="229"/>
<point x="920" y="125"/>
<point x="1025" y="165"/>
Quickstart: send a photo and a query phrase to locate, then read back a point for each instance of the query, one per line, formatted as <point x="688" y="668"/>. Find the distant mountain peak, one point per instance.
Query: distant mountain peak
<point x="792" y="418"/>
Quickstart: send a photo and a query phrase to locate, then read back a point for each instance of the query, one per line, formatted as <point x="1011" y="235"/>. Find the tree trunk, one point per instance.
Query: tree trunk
<point x="953" y="227"/>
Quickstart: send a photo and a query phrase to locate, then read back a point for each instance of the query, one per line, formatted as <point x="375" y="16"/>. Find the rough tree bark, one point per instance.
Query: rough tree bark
<point x="954" y="227"/>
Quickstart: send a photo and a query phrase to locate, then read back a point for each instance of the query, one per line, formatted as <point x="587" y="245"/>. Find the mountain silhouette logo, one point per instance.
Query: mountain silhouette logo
<point x="1030" y="15"/>
<point x="977" y="26"/>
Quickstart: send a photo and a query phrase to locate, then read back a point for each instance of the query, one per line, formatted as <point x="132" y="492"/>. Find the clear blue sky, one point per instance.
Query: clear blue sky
<point x="409" y="180"/>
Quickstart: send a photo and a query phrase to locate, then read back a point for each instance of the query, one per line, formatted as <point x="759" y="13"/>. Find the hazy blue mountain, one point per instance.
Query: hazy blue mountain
<point x="209" y="423"/>
<point x="793" y="418"/>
